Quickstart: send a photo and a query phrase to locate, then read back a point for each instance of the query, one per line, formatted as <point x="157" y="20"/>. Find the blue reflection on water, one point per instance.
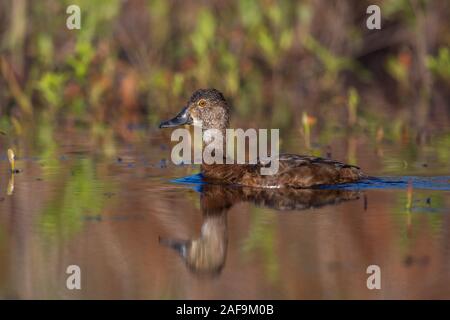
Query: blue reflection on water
<point x="194" y="181"/>
<point x="428" y="183"/>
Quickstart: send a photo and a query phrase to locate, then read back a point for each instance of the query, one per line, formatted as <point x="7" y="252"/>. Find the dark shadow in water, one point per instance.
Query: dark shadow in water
<point x="206" y="254"/>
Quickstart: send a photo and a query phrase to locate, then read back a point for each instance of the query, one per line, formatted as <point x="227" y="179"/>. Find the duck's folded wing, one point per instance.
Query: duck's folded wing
<point x="295" y="160"/>
<point x="294" y="171"/>
<point x="307" y="171"/>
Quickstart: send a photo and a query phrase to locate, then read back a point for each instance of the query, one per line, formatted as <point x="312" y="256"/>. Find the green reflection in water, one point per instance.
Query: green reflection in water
<point x="80" y="194"/>
<point x="415" y="210"/>
<point x="47" y="146"/>
<point x="262" y="238"/>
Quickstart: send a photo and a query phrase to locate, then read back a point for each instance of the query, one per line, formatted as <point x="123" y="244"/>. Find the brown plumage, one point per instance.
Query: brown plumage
<point x="295" y="171"/>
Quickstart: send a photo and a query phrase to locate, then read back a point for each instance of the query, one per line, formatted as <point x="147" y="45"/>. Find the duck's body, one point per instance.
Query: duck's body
<point x="295" y="171"/>
<point x="209" y="107"/>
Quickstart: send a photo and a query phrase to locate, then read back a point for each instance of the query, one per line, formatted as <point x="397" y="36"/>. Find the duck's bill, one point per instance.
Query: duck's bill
<point x="182" y="118"/>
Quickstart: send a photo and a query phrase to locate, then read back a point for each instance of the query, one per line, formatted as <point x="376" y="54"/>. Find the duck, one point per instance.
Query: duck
<point x="210" y="108"/>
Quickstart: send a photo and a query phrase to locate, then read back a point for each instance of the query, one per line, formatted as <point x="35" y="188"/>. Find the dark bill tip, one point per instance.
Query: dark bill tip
<point x="180" y="119"/>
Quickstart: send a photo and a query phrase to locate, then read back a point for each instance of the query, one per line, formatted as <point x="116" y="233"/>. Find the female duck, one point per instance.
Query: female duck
<point x="295" y="171"/>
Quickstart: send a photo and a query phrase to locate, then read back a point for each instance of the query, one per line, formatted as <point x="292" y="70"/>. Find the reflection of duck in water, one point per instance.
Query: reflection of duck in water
<point x="206" y="254"/>
<point x="209" y="107"/>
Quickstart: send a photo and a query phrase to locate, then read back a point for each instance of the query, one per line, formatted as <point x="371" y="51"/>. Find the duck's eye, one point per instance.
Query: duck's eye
<point x="202" y="103"/>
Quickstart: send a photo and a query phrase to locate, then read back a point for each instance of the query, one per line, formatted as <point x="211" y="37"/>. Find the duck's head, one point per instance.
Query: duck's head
<point x="207" y="107"/>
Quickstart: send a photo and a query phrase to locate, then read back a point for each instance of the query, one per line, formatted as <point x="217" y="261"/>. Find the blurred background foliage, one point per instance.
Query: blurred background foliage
<point x="284" y="64"/>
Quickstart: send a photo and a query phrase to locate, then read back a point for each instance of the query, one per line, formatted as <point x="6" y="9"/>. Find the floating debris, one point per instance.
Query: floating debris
<point x="409" y="196"/>
<point x="12" y="160"/>
<point x="408" y="261"/>
<point x="97" y="217"/>
<point x="163" y="163"/>
<point x="422" y="261"/>
<point x="308" y="122"/>
<point x="10" y="189"/>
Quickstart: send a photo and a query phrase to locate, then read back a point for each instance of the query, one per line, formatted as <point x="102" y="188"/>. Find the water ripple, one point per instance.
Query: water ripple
<point x="402" y="182"/>
<point x="428" y="183"/>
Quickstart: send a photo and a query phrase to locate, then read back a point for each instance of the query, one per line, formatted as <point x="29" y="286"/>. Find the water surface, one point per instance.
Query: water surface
<point x="137" y="231"/>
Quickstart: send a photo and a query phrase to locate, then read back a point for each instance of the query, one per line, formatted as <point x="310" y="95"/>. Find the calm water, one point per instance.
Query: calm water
<point x="137" y="233"/>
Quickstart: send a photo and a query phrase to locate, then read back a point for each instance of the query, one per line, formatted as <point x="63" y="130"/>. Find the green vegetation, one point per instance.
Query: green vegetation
<point x="137" y="62"/>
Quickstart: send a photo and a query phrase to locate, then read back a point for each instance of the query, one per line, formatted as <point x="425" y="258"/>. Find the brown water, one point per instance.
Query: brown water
<point x="136" y="234"/>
